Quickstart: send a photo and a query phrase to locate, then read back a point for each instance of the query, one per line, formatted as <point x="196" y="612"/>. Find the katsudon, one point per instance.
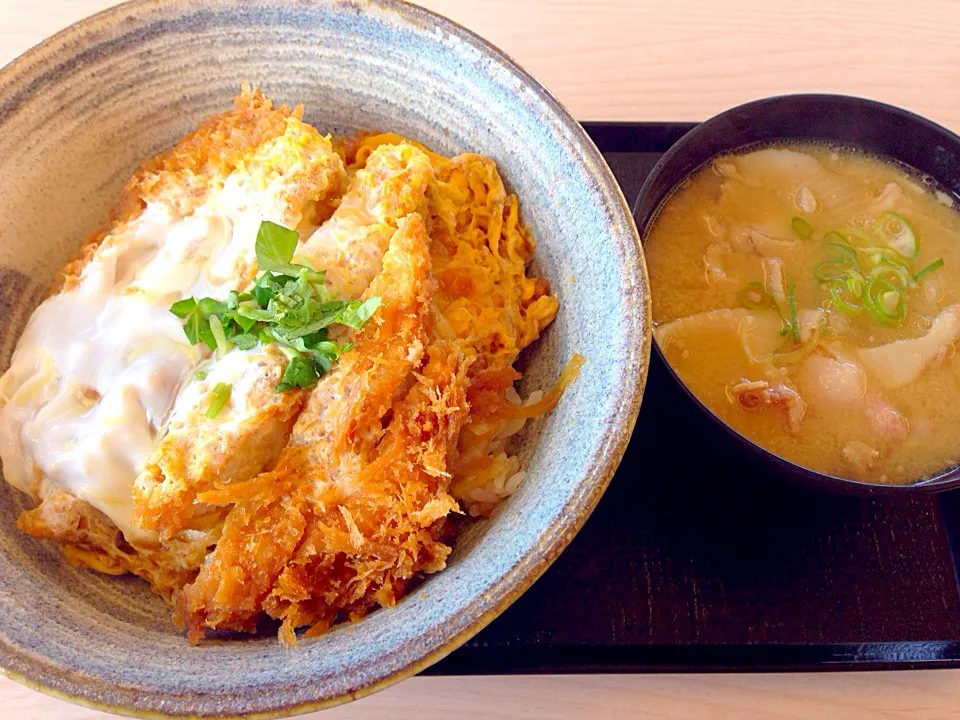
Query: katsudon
<point x="280" y="378"/>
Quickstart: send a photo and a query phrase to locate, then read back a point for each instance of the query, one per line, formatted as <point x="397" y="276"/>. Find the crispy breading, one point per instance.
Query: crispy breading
<point x="381" y="524"/>
<point x="365" y="466"/>
<point x="485" y="300"/>
<point x="183" y="175"/>
<point x="480" y="250"/>
<point x="198" y="453"/>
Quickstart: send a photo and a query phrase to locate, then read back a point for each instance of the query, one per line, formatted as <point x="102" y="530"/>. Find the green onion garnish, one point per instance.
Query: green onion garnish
<point x="850" y="234"/>
<point x="898" y="234"/>
<point x="885" y="302"/>
<point x="894" y="272"/>
<point x="935" y="265"/>
<point x="843" y="299"/>
<point x="223" y="345"/>
<point x="845" y="254"/>
<point x="755" y="296"/>
<point x="221" y="393"/>
<point x="792" y="307"/>
<point x="288" y="306"/>
<point x="801" y="228"/>
<point x="828" y="270"/>
<point x="874" y="274"/>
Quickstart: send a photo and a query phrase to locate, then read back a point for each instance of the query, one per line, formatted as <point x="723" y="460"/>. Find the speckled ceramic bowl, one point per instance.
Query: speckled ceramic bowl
<point x="79" y="112"/>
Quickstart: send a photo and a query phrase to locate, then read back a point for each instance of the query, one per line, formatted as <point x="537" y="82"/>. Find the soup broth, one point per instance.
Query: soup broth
<point x="810" y="297"/>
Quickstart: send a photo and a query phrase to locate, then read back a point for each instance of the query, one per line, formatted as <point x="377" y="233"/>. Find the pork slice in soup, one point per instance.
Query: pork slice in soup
<point x="810" y="297"/>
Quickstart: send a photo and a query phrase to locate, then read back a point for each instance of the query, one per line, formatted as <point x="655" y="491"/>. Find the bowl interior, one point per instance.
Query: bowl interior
<point x="925" y="147"/>
<point x="76" y="117"/>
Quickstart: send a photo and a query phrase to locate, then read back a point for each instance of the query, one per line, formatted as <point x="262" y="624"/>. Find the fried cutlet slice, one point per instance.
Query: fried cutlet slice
<point x="263" y="531"/>
<point x="252" y="161"/>
<point x="350" y="245"/>
<point x="379" y="522"/>
<point x="90" y="539"/>
<point x="353" y="509"/>
<point x="283" y="181"/>
<point x="487" y="301"/>
<point x="198" y="453"/>
<point x="182" y="178"/>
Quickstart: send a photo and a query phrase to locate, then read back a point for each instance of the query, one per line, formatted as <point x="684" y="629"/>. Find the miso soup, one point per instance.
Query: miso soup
<point x="810" y="297"/>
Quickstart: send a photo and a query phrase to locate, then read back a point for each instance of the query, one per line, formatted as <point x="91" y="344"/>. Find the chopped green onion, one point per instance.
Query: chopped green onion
<point x="890" y="300"/>
<point x="898" y="234"/>
<point x="894" y="271"/>
<point x="885" y="302"/>
<point x="884" y="255"/>
<point x="875" y="273"/>
<point x="847" y="253"/>
<point x="223" y="345"/>
<point x="935" y="265"/>
<point x="828" y="270"/>
<point x="801" y="228"/>
<point x="200" y="375"/>
<point x="221" y="393"/>
<point x="792" y="307"/>
<point x="855" y="284"/>
<point x="849" y="234"/>
<point x="838" y="293"/>
<point x="288" y="306"/>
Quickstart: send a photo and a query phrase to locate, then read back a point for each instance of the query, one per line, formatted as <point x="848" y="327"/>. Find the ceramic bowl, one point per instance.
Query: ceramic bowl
<point x="882" y="130"/>
<point x="80" y="111"/>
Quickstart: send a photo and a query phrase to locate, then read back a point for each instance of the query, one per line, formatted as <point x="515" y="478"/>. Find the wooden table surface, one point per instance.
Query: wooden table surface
<point x="657" y="60"/>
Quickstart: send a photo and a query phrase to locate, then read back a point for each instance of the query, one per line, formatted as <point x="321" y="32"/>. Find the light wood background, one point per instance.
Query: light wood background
<point x="658" y="60"/>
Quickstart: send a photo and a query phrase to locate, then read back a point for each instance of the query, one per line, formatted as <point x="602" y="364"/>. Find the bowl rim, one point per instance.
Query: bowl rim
<point x="606" y="456"/>
<point x="944" y="480"/>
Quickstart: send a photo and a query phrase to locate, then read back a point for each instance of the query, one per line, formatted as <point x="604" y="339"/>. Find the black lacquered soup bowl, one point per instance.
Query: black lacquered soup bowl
<point x="923" y="146"/>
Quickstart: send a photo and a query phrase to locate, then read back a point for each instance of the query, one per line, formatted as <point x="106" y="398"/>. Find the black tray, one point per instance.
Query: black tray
<point x="701" y="561"/>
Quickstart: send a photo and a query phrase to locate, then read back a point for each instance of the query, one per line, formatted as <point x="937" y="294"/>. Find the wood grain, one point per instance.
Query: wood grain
<point x="655" y="60"/>
<point x="926" y="695"/>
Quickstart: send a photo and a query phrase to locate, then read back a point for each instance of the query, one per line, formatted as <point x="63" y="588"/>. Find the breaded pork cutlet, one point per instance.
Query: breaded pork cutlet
<point x="200" y="453"/>
<point x="354" y="508"/>
<point x="81" y="417"/>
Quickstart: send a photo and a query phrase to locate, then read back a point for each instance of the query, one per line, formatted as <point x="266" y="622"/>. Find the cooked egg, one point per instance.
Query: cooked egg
<point x="98" y="368"/>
